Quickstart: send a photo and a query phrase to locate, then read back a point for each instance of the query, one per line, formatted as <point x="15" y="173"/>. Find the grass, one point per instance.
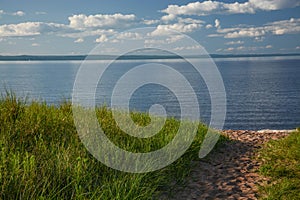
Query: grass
<point x="281" y="162"/>
<point x="42" y="157"/>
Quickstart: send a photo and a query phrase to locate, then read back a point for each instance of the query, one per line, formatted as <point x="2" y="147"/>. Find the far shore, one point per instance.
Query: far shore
<point x="129" y="57"/>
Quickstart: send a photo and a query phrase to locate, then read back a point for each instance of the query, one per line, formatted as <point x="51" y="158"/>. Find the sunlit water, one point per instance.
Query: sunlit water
<point x="261" y="92"/>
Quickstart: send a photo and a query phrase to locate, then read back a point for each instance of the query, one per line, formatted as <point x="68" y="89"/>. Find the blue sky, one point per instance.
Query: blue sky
<point x="76" y="27"/>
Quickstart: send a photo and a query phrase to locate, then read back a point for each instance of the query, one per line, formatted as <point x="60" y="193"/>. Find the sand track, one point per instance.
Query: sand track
<point x="230" y="172"/>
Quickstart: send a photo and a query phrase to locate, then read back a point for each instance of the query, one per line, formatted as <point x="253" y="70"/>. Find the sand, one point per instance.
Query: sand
<point x="231" y="171"/>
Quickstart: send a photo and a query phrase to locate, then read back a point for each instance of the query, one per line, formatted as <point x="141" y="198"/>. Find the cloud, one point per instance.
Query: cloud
<point x="183" y="25"/>
<point x="274" y="4"/>
<point x="180" y="27"/>
<point x="168" y="17"/>
<point x="268" y="46"/>
<point x="73" y="33"/>
<point x="129" y="36"/>
<point x="102" y="38"/>
<point x="243" y="48"/>
<point x="80" y="26"/>
<point x="259" y="39"/>
<point x="40" y="13"/>
<point x="217" y="7"/>
<point x="100" y="21"/>
<point x="31" y="29"/>
<point x="22" y="29"/>
<point x="168" y="40"/>
<point x="195" y="47"/>
<point x="291" y="26"/>
<point x="119" y="37"/>
<point x="246" y="32"/>
<point x="195" y="8"/>
<point x="234" y="42"/>
<point x="240" y="48"/>
<point x="79" y="40"/>
<point x="35" y="44"/>
<point x="298" y="47"/>
<point x="229" y="49"/>
<point x="174" y="38"/>
<point x="190" y="21"/>
<point x="150" y="22"/>
<point x="100" y="25"/>
<point x="208" y="26"/>
<point x="19" y="13"/>
<point x="215" y="35"/>
<point x="217" y="23"/>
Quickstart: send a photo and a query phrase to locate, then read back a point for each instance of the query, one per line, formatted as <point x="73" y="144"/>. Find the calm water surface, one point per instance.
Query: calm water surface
<point x="261" y="92"/>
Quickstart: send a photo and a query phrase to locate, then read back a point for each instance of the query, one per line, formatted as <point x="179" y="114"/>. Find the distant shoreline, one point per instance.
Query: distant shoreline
<point x="128" y="57"/>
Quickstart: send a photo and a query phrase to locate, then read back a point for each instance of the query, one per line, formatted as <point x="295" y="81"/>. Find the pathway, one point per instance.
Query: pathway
<point x="230" y="172"/>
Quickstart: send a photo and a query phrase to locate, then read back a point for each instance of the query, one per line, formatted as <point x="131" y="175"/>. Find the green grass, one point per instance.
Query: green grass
<point x="281" y="162"/>
<point x="42" y="157"/>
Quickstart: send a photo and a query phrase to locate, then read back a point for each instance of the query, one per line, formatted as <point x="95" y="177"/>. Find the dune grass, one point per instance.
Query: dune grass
<point x="42" y="157"/>
<point x="281" y="162"/>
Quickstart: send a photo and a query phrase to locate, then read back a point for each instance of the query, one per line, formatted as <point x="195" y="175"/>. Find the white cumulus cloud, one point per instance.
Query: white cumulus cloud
<point x="180" y="27"/>
<point x="234" y="42"/>
<point x="150" y="21"/>
<point x="73" y="33"/>
<point x="79" y="40"/>
<point x="217" y="23"/>
<point x="291" y="26"/>
<point x="274" y="4"/>
<point x="31" y="29"/>
<point x="216" y="7"/>
<point x="168" y="40"/>
<point x="102" y="38"/>
<point x="208" y="26"/>
<point x="168" y="17"/>
<point x="19" y="13"/>
<point x="194" y="47"/>
<point x="183" y="25"/>
<point x="269" y="47"/>
<point x="22" y="29"/>
<point x="100" y="21"/>
<point x="129" y="36"/>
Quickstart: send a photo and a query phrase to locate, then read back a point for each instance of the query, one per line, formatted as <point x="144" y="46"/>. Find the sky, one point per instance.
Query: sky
<point x="71" y="27"/>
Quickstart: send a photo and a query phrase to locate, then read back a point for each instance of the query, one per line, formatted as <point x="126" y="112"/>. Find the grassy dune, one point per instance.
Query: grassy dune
<point x="42" y="157"/>
<point x="282" y="164"/>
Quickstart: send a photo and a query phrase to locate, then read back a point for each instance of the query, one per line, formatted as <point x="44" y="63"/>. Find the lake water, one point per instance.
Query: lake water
<point x="262" y="93"/>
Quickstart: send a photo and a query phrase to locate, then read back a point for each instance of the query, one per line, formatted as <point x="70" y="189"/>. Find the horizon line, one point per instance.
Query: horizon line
<point x="131" y="57"/>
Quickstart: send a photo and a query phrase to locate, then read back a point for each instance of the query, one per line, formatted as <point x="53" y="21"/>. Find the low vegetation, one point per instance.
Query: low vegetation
<point x="42" y="157"/>
<point x="281" y="162"/>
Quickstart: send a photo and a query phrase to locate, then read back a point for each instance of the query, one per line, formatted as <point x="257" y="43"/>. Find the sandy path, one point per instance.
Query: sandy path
<point x="229" y="172"/>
